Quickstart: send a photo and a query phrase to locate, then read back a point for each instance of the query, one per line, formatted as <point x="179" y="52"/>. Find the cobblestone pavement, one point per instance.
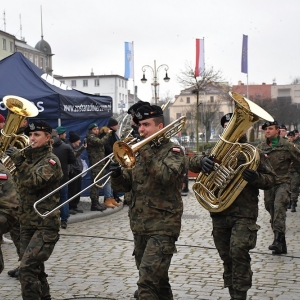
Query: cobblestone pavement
<point x="93" y="259"/>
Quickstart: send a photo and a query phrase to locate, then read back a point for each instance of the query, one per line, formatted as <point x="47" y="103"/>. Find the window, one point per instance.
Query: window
<point x="188" y="100"/>
<point x="11" y="47"/>
<point x="3" y="44"/>
<point x="119" y="96"/>
<point x="211" y="98"/>
<point x="73" y="83"/>
<point x="122" y="83"/>
<point x="297" y="93"/>
<point x="42" y="63"/>
<point x="62" y="81"/>
<point x="97" y="83"/>
<point x="283" y="92"/>
<point x="188" y="115"/>
<point x="25" y="54"/>
<point x="119" y="82"/>
<point x="178" y="115"/>
<point x="85" y="82"/>
<point x="36" y="60"/>
<point x="31" y="57"/>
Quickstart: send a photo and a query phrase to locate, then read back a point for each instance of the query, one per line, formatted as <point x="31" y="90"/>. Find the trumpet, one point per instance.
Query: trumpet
<point x="123" y="154"/>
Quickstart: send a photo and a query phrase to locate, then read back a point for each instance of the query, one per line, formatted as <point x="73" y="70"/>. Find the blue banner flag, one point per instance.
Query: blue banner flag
<point x="245" y="54"/>
<point x="128" y="60"/>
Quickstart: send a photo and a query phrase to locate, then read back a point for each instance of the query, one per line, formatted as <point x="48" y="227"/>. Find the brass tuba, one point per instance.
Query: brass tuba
<point x="18" y="110"/>
<point x="219" y="189"/>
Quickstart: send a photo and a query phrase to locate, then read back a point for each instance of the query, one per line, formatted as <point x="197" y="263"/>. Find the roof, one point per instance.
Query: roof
<point x="43" y="46"/>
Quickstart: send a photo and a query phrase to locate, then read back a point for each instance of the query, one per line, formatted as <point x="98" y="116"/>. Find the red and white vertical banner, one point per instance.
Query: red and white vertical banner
<point x="199" y="69"/>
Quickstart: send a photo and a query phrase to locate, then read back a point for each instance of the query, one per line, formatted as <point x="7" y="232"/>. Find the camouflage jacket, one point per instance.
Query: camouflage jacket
<point x="155" y="183"/>
<point x="281" y="157"/>
<point x="9" y="197"/>
<point x="38" y="175"/>
<point x="95" y="147"/>
<point x="246" y="203"/>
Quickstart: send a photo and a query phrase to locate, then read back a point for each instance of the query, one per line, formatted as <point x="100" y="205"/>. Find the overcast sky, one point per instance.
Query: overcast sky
<point x="90" y="34"/>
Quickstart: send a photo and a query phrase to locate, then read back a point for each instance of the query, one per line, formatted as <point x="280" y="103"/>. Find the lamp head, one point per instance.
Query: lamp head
<point x="144" y="79"/>
<point x="167" y="78"/>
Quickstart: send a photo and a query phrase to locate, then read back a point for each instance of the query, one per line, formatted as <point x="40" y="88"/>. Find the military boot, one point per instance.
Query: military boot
<point x="13" y="272"/>
<point x="293" y="206"/>
<point x="271" y="247"/>
<point x="96" y="206"/>
<point x="136" y="294"/>
<point x="289" y="205"/>
<point x="278" y="243"/>
<point x="284" y="247"/>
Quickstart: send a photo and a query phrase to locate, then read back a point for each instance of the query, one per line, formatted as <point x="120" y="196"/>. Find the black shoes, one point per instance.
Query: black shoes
<point x="63" y="225"/>
<point x="14" y="273"/>
<point x="72" y="211"/>
<point x="293" y="206"/>
<point x="98" y="207"/>
<point x="118" y="200"/>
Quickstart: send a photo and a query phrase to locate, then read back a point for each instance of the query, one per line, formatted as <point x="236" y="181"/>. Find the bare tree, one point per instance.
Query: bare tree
<point x="209" y="82"/>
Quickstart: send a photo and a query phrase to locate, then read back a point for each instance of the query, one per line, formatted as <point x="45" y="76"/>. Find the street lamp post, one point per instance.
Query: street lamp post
<point x="155" y="82"/>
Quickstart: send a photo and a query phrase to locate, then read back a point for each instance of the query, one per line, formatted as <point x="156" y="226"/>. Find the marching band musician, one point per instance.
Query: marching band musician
<point x="235" y="228"/>
<point x="281" y="153"/>
<point x="156" y="209"/>
<point x="9" y="205"/>
<point x="38" y="173"/>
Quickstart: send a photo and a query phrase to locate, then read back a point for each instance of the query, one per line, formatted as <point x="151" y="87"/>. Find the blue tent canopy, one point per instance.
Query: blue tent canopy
<point x="57" y="103"/>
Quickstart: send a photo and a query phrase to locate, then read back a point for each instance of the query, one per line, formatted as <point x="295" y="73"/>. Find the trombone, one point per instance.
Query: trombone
<point x="124" y="155"/>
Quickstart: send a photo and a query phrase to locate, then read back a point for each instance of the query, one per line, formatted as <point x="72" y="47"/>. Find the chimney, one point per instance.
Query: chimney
<point x="239" y="82"/>
<point x="263" y="83"/>
<point x="92" y="73"/>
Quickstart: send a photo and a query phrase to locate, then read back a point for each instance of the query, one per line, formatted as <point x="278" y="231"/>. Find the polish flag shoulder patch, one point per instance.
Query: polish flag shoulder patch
<point x="3" y="176"/>
<point x="176" y="150"/>
<point x="52" y="162"/>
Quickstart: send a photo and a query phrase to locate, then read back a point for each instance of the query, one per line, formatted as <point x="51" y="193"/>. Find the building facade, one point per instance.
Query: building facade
<point x="114" y="86"/>
<point x="212" y="105"/>
<point x="7" y="44"/>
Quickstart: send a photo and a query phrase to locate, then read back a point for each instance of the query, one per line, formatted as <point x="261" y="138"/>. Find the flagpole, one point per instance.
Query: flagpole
<point x="247" y="67"/>
<point x="133" y="72"/>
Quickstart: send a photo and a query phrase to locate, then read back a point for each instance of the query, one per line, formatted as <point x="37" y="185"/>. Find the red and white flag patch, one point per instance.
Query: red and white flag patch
<point x="52" y="161"/>
<point x="3" y="176"/>
<point x="176" y="150"/>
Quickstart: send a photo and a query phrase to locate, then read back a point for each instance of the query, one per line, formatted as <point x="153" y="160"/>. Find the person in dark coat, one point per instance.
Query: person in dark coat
<point x="75" y="169"/>
<point x="66" y="157"/>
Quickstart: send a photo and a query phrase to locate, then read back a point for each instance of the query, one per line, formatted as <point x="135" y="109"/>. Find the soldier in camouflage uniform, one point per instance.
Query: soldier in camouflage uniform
<point x="235" y="228"/>
<point x="9" y="205"/>
<point x="294" y="175"/>
<point x="281" y="153"/>
<point x="156" y="209"/>
<point x="38" y="173"/>
<point x="96" y="152"/>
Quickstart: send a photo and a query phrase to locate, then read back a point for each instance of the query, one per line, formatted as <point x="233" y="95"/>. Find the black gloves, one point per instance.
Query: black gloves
<point x="10" y="151"/>
<point x="115" y="168"/>
<point x="250" y="175"/>
<point x="207" y="164"/>
<point x="15" y="155"/>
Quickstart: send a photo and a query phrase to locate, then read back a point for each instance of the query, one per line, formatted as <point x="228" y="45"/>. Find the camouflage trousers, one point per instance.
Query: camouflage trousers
<point x="7" y="223"/>
<point x="36" y="248"/>
<point x="94" y="192"/>
<point x="153" y="256"/>
<point x="234" y="237"/>
<point x="295" y="184"/>
<point x="276" y="202"/>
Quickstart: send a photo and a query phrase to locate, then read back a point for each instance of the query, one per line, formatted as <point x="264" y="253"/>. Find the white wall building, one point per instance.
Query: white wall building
<point x="114" y="86"/>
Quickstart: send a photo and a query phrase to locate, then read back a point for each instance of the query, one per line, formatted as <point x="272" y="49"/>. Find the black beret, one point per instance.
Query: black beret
<point x="38" y="126"/>
<point x="283" y="127"/>
<point x="147" y="112"/>
<point x="112" y="122"/>
<point x="133" y="108"/>
<point x="268" y="123"/>
<point x="291" y="133"/>
<point x="226" y="118"/>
